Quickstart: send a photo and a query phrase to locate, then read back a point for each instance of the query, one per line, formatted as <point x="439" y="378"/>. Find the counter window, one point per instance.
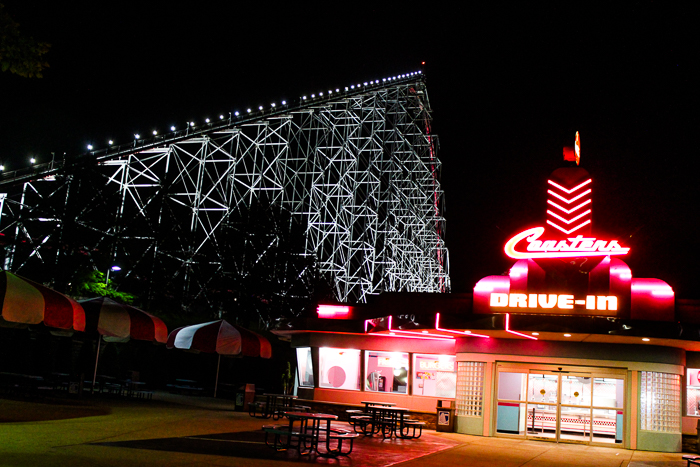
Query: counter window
<point x="386" y="372"/>
<point x="339" y="368"/>
<point x="693" y="392"/>
<point x="434" y="375"/>
<point x="305" y="367"/>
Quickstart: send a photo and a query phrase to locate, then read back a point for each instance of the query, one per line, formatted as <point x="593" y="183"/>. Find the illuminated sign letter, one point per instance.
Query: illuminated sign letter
<point x="573" y="247"/>
<point x="607" y="303"/>
<point x="546" y="302"/>
<point x="499" y="299"/>
<point x="565" y="302"/>
<point x="517" y="300"/>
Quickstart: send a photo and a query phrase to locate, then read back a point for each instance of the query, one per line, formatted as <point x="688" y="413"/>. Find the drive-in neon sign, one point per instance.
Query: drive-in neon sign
<point x="550" y="301"/>
<point x="574" y="247"/>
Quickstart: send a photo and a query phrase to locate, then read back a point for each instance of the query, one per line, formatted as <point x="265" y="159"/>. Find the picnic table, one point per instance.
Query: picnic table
<point x="275" y="406"/>
<point x="386" y="419"/>
<point x="306" y="431"/>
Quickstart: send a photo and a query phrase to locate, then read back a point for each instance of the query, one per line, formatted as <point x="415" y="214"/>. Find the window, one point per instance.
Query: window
<point x="660" y="402"/>
<point x="305" y="367"/>
<point x="339" y="368"/>
<point x="434" y="375"/>
<point x="693" y="392"/>
<point x="386" y="372"/>
<point x="470" y="388"/>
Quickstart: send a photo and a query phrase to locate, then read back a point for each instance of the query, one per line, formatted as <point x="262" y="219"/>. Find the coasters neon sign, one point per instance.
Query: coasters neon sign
<point x="575" y="247"/>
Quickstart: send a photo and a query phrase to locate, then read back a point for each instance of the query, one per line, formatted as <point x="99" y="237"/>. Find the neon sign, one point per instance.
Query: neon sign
<point x="575" y="247"/>
<point x="550" y="301"/>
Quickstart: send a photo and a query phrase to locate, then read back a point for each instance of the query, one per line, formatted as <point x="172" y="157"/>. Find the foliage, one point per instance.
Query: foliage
<point x="19" y="54"/>
<point x="93" y="283"/>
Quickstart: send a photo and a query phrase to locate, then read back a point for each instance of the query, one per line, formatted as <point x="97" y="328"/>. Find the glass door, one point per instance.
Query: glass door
<point x="562" y="406"/>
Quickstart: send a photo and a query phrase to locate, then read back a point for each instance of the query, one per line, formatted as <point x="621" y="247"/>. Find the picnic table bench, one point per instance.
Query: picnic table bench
<point x="309" y="434"/>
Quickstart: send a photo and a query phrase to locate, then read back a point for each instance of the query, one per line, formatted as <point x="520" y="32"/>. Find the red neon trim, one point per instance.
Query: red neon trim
<point x="465" y="333"/>
<point x="516" y="332"/>
<point x="567" y="232"/>
<point x="571" y="190"/>
<point x="569" y="201"/>
<point x="569" y="211"/>
<point x="570" y="220"/>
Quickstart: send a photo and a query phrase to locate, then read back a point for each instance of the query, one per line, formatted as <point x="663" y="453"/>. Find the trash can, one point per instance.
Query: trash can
<point x="445" y="416"/>
<point x="249" y="395"/>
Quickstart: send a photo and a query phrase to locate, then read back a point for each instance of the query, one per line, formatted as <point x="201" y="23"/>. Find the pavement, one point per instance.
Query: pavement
<point x="173" y="430"/>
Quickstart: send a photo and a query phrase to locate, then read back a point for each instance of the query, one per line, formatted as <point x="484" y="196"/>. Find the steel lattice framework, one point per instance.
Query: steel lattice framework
<point x="357" y="172"/>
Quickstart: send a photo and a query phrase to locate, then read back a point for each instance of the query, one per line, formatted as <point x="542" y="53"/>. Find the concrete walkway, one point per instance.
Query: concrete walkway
<point x="195" y="431"/>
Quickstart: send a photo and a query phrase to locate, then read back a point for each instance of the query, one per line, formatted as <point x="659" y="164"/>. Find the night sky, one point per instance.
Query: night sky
<point x="509" y="86"/>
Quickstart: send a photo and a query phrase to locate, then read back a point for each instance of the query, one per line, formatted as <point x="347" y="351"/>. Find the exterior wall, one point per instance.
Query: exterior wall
<point x="630" y="360"/>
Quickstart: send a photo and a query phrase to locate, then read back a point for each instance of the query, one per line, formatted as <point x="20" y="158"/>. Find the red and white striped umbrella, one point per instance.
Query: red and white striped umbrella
<point x="27" y="302"/>
<point x="220" y="337"/>
<point x="117" y="322"/>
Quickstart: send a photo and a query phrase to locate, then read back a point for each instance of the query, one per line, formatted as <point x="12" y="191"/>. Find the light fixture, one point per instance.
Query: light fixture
<point x="206" y="120"/>
<point x="191" y="123"/>
<point x="260" y="108"/>
<point x="247" y="110"/>
<point x="535" y="333"/>
<point x="221" y="117"/>
<point x="303" y="97"/>
<point x="645" y="339"/>
<point x="337" y="90"/>
<point x="155" y="132"/>
<point x="273" y="105"/>
<point x="137" y="136"/>
<point x="32" y="160"/>
<point x="89" y="146"/>
<point x="110" y="142"/>
<point x="313" y="96"/>
<point x="284" y="102"/>
<point x="172" y="128"/>
<point x="2" y="167"/>
<point x="236" y="113"/>
<point x="346" y="88"/>
<point x="567" y="335"/>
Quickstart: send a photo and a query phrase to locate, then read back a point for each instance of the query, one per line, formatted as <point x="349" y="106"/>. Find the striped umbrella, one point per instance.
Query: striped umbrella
<point x="115" y="322"/>
<point x="220" y="337"/>
<point x="27" y="302"/>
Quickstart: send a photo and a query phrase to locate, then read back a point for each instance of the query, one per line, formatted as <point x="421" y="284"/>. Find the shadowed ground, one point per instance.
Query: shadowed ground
<point x="197" y="431"/>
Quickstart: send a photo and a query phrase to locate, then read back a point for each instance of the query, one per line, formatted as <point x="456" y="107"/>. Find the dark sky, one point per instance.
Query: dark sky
<point x="509" y="85"/>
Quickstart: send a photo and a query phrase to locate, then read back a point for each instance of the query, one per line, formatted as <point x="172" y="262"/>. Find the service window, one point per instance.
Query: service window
<point x="434" y="375"/>
<point x="693" y="392"/>
<point x="339" y="368"/>
<point x="386" y="372"/>
<point x="305" y="367"/>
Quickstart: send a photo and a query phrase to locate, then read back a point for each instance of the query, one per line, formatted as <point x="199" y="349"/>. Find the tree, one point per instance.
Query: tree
<point x="19" y="54"/>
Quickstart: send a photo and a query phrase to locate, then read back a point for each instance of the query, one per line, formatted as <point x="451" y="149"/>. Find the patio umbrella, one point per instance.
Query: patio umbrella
<point x="118" y="323"/>
<point x="220" y="337"/>
<point x="27" y="302"/>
